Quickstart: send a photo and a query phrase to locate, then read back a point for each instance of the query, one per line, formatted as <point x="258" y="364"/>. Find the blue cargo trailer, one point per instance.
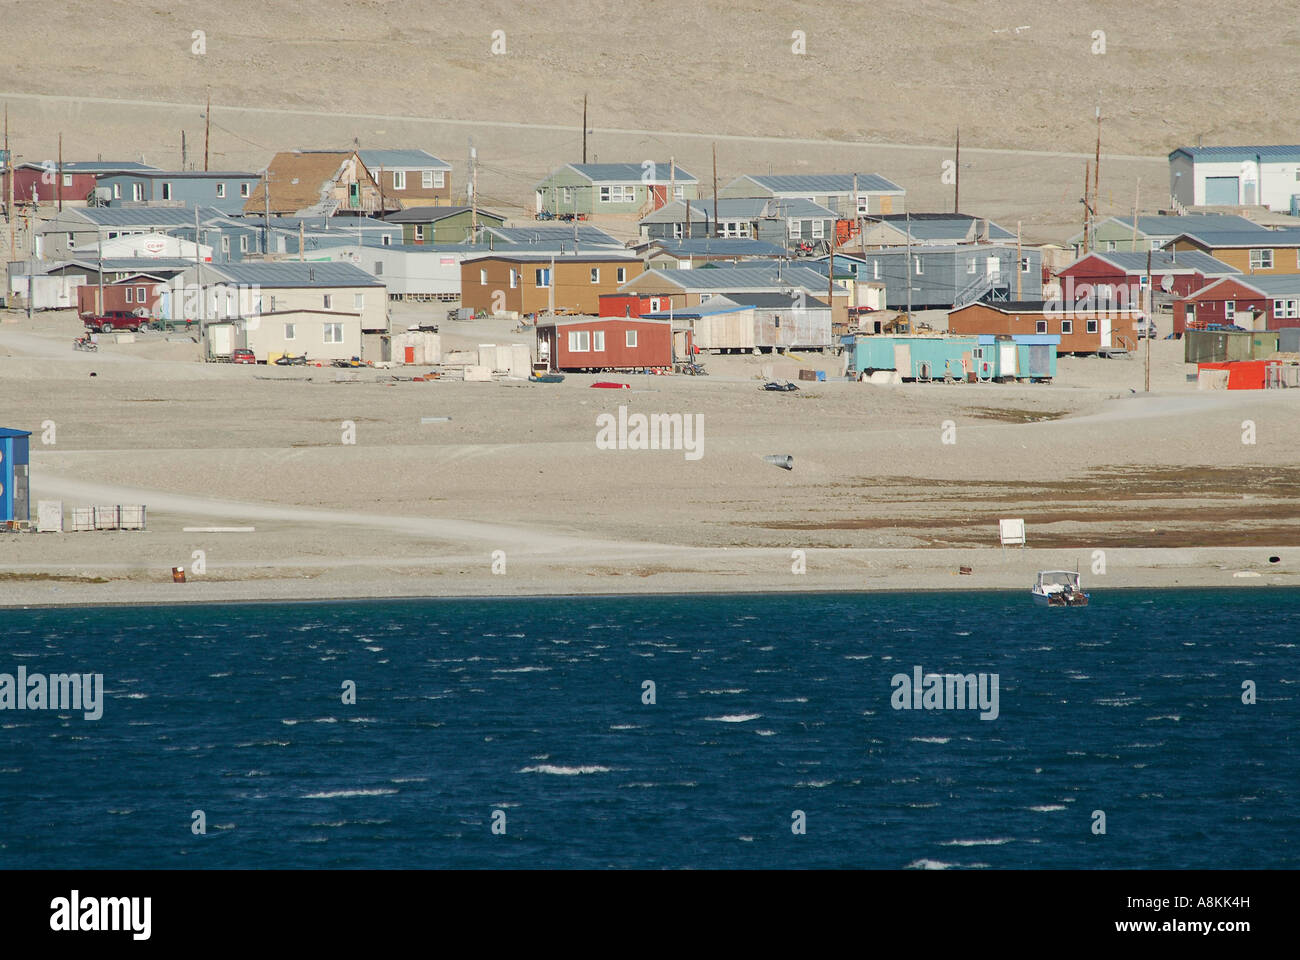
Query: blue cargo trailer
<point x="14" y="503"/>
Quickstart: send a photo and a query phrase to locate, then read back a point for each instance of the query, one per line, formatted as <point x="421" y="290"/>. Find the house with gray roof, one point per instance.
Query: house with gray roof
<point x="783" y="222"/>
<point x="1264" y="175"/>
<point x="696" y="287"/>
<point x="444" y="224"/>
<point x="226" y="191"/>
<point x="945" y="276"/>
<point x="849" y="195"/>
<point x="633" y="189"/>
<point x="548" y="237"/>
<point x="685" y="254"/>
<point x="1116" y="234"/>
<point x="895" y="229"/>
<point x="85" y="226"/>
<point x="413" y="178"/>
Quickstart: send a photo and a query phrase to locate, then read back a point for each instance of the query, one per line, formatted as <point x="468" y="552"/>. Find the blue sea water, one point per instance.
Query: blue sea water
<point x="764" y="705"/>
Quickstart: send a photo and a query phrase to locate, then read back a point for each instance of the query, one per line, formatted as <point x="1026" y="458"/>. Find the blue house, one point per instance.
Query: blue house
<point x="15" y="506"/>
<point x="1028" y="357"/>
<point x="228" y="191"/>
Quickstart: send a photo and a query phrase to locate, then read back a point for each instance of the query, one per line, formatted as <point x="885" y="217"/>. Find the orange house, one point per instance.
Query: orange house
<point x="1081" y="331"/>
<point x="536" y="282"/>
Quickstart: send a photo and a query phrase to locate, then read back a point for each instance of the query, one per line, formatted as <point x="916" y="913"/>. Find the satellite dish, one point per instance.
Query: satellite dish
<point x="1166" y="283"/>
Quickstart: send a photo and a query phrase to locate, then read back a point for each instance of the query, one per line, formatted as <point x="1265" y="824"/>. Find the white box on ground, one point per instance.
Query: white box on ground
<point x="49" y="516"/>
<point x="478" y="374"/>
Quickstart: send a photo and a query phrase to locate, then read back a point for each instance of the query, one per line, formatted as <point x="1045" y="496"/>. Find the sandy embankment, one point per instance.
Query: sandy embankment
<point x="1164" y="485"/>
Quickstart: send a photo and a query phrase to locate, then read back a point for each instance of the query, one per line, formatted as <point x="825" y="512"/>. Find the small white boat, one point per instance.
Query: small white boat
<point x="1059" y="588"/>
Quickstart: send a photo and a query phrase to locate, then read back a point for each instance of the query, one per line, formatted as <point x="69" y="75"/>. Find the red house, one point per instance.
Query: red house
<point x="73" y="183"/>
<point x="604" y="343"/>
<point x="1259" y="302"/>
<point x="138" y="295"/>
<point x="625" y="305"/>
<point x="1099" y="280"/>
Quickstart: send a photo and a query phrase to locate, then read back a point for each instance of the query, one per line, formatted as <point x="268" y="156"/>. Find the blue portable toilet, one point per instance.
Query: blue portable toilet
<point x="14" y="502"/>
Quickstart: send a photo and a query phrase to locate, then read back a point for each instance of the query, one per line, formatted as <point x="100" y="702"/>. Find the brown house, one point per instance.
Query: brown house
<point x="409" y="178"/>
<point x="314" y="183"/>
<point x="1081" y="331"/>
<point x="536" y="282"/>
<point x="1261" y="252"/>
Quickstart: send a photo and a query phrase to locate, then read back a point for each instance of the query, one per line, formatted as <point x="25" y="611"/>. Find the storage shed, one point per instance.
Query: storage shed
<point x="1226" y="346"/>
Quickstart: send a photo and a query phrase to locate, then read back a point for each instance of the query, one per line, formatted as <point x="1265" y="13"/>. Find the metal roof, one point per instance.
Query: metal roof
<point x="750" y="299"/>
<point x="144" y="264"/>
<point x="741" y="208"/>
<point x="1275" y="285"/>
<point x="93" y="166"/>
<point x="433" y="214"/>
<point x="1042" y="306"/>
<point x="516" y="255"/>
<point x="631" y="172"/>
<point x="1164" y="261"/>
<point x="11" y="432"/>
<point x="552" y="236"/>
<point x="187" y="174"/>
<point x="720" y="246"/>
<point x="1243" y="238"/>
<point x="294" y="273"/>
<point x="398" y="159"/>
<point x="1288" y="153"/>
<point x="142" y="216"/>
<point x="824" y="183"/>
<point x="755" y="275"/>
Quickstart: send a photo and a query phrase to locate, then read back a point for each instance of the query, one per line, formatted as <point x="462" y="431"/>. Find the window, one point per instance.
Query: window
<point x="328" y="300"/>
<point x="137" y="191"/>
<point x="128" y="295"/>
<point x="1092" y="326"/>
<point x="862" y="206"/>
<point x="1286" y="309"/>
<point x="117" y="191"/>
<point x="595" y="274"/>
<point x="1024" y="264"/>
<point x="166" y="191"/>
<point x="482" y="277"/>
<point x="1261" y="259"/>
<point x="1230" y="310"/>
<point x="1156" y="244"/>
<point x="67" y="179"/>
<point x="221" y="191"/>
<point x="679" y="193"/>
<point x="619" y="194"/>
<point x="705" y="297"/>
<point x="579" y="341"/>
<point x="245" y="189"/>
<point x="1067" y="327"/>
<point x="654" y="304"/>
<point x="514" y="279"/>
<point x="387" y="240"/>
<point x="567" y="194"/>
<point x="139" y="294"/>
<point x="1110" y="246"/>
<point x="426" y="179"/>
<point x="358" y="301"/>
<point x="604" y="198"/>
<point x="796" y="229"/>
<point x="379" y="268"/>
<point x="818" y="229"/>
<point x="439" y="178"/>
<point x="290" y="331"/>
<point x="333" y="333"/>
<point x="875" y="269"/>
<point x="225" y="244"/>
<point x="418" y="234"/>
<point x="622" y="274"/>
<point x="399" y="179"/>
<point x="1040" y="326"/>
<point x="919" y="269"/>
<point x="543" y="278"/>
<point x="72" y="239"/>
<point x="243" y="243"/>
<point x="630" y="338"/>
<point x="970" y="266"/>
<point x="598" y="341"/>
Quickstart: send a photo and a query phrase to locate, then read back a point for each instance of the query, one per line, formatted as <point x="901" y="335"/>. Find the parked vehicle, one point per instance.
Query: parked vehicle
<point x="85" y="343"/>
<point x="353" y="362"/>
<point x="778" y="385"/>
<point x="289" y="360"/>
<point x="243" y="355"/>
<point x="114" y="320"/>
<point x="1146" y="328"/>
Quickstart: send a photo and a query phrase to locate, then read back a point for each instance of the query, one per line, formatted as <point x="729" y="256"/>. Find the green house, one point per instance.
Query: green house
<point x="627" y="188"/>
<point x="439" y="225"/>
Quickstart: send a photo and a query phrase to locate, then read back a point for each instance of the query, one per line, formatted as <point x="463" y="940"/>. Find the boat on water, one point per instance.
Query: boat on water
<point x="1059" y="588"/>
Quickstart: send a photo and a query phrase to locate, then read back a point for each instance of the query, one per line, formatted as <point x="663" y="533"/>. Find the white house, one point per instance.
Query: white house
<point x="1236" y="176"/>
<point x="151" y="245"/>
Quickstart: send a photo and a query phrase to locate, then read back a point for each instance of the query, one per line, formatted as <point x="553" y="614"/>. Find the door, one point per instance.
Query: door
<point x="354" y="194"/>
<point x="1221" y="191"/>
<point x="1039" y="362"/>
<point x="1007" y="359"/>
<point x="1104" y="328"/>
<point x="903" y="359"/>
<point x="994" y="269"/>
<point x="660" y="192"/>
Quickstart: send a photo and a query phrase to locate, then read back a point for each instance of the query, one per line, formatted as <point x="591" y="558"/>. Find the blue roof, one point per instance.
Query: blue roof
<point x="631" y="172"/>
<point x="390" y="159"/>
<point x="1289" y="153"/>
<point x="550" y="236"/>
<point x="824" y="183"/>
<point x="142" y="216"/>
<point x="293" y="273"/>
<point x="11" y="432"/>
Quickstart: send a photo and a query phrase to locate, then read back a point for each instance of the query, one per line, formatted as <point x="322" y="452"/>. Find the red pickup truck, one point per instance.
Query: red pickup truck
<point x="115" y="320"/>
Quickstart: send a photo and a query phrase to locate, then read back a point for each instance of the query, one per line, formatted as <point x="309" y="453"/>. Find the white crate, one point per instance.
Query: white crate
<point x="49" y="516"/>
<point x="83" y="518"/>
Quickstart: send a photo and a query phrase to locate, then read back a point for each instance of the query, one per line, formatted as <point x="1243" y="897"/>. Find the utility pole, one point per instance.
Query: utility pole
<point x="672" y="180"/>
<point x="1136" y="195"/>
<point x="182" y="149"/>
<point x="715" y="189"/>
<point x="830" y="277"/>
<point x="9" y="170"/>
<point x="99" y="240"/>
<point x="473" y="169"/>
<point x="1151" y="299"/>
<point x="584" y="128"/>
<point x="59" y="187"/>
<point x="956" y="189"/>
<point x="1087" y="220"/>
<point x="1096" y="174"/>
<point x="383" y="203"/>
<point x="550" y="288"/>
<point x="1019" y="271"/>
<point x="207" y="131"/>
<point x="686" y="234"/>
<point x="907" y="271"/>
<point x="198" y="282"/>
<point x="301" y="254"/>
<point x="266" y="220"/>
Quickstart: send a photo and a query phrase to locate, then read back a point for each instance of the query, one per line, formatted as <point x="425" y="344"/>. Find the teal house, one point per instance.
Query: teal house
<point x="636" y="189"/>
<point x="925" y="357"/>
